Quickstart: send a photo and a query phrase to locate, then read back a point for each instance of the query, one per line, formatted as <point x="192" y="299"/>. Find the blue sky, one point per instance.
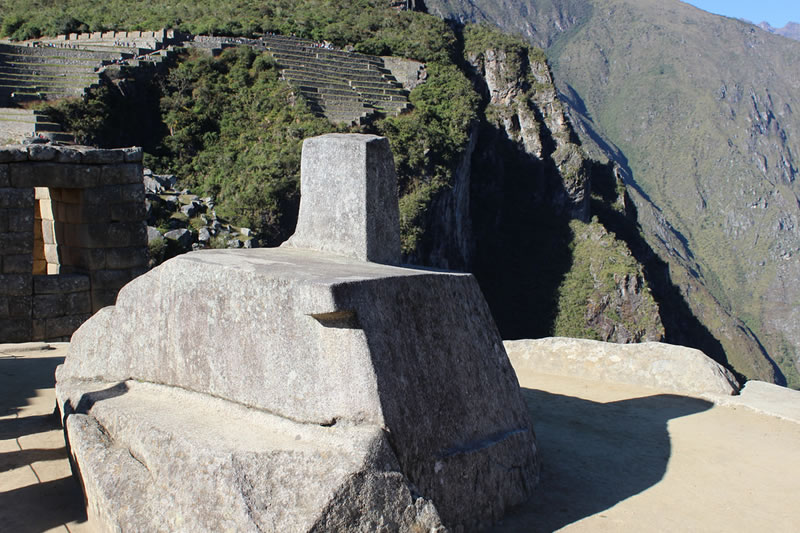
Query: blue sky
<point x="776" y="12"/>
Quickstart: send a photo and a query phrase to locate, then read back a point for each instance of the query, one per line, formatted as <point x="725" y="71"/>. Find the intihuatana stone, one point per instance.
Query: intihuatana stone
<point x="293" y="389"/>
<point x="349" y="205"/>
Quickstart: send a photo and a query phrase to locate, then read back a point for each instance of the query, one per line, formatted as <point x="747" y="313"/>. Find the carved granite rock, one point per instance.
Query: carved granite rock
<point x="649" y="364"/>
<point x="297" y="390"/>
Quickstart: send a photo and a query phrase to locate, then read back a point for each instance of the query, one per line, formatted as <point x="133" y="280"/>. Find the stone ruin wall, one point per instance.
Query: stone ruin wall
<point x="72" y="233"/>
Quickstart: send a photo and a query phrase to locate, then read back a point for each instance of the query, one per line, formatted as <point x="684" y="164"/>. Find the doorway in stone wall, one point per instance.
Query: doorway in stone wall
<point x="56" y="209"/>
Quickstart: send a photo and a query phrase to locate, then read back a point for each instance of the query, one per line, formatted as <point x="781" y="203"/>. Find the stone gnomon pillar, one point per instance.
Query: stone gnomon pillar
<point x="301" y="388"/>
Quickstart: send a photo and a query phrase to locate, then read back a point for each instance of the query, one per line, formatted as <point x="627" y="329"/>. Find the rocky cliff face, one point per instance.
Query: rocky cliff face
<point x="518" y="215"/>
<point x="698" y="112"/>
<point x="523" y="104"/>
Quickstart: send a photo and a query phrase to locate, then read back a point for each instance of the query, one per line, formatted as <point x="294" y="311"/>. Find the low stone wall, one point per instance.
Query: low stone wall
<point x="91" y="228"/>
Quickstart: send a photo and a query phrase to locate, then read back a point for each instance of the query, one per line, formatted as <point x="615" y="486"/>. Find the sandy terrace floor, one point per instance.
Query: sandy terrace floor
<point x="616" y="458"/>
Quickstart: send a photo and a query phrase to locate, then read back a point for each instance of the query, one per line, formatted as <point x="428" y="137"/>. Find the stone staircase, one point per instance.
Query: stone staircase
<point x="345" y="87"/>
<point x="63" y="67"/>
<point x="17" y="124"/>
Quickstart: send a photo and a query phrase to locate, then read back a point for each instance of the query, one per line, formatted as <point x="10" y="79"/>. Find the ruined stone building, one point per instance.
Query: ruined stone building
<point x="72" y="233"/>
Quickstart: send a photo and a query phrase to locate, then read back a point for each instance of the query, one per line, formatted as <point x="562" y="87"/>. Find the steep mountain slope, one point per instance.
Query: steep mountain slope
<point x="698" y="111"/>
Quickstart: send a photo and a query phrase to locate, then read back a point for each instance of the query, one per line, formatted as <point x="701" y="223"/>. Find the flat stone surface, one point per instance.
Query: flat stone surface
<point x="649" y="364"/>
<point x="767" y="398"/>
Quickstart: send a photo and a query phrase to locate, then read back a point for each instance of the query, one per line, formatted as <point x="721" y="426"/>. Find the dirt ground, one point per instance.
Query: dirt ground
<point x="615" y="458"/>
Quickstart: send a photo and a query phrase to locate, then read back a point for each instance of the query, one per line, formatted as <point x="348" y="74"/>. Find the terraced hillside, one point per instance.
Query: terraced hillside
<point x="344" y="87"/>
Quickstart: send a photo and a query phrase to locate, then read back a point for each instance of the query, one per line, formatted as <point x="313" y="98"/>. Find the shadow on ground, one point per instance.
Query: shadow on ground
<point x="595" y="455"/>
<point x="22" y="509"/>
<point x="21" y="377"/>
<point x="41" y="506"/>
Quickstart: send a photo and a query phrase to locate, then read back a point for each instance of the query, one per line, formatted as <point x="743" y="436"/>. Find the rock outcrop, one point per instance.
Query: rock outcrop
<point x="297" y="390"/>
<point x="650" y="364"/>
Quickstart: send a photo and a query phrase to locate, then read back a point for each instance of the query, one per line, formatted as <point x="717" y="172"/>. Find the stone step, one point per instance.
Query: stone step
<point x="296" y="43"/>
<point x="355" y="66"/>
<point x="57" y="52"/>
<point x="48" y="68"/>
<point x="332" y="74"/>
<point x="21" y="78"/>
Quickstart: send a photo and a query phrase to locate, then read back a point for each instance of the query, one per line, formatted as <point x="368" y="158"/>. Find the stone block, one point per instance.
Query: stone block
<point x="649" y="364"/>
<point x="16" y="284"/>
<point x="15" y="330"/>
<point x="44" y="210"/>
<point x="53" y="268"/>
<point x="64" y="326"/>
<point x="41" y="193"/>
<point x="46" y="232"/>
<point x="358" y="171"/>
<point x="39" y="266"/>
<point x="41" y="152"/>
<point x="120" y="258"/>
<point x="103" y="298"/>
<point x="16" y="243"/>
<point x="13" y="154"/>
<point x="20" y="306"/>
<point x="70" y="283"/>
<point x="109" y="279"/>
<point x="61" y="284"/>
<point x="98" y="156"/>
<point x="38" y="252"/>
<point x="48" y="305"/>
<point x="123" y="173"/>
<point x="51" y="253"/>
<point x="3" y="220"/>
<point x="71" y="196"/>
<point x="5" y="180"/>
<point x="83" y="176"/>
<point x="424" y="360"/>
<point x="84" y="258"/>
<point x="132" y="192"/>
<point x="133" y="155"/>
<point x="38" y="330"/>
<point x="128" y="212"/>
<point x="110" y="235"/>
<point x="16" y="197"/>
<point x="78" y="303"/>
<point x="46" y="285"/>
<point x="68" y="155"/>
<point x="20" y="220"/>
<point x="108" y="194"/>
<point x="90" y="213"/>
<point x="37" y="174"/>
<point x="17" y="264"/>
<point x="4" y="311"/>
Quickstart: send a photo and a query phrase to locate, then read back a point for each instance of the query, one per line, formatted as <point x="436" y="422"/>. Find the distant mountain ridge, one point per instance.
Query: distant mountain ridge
<point x="697" y="111"/>
<point x="791" y="30"/>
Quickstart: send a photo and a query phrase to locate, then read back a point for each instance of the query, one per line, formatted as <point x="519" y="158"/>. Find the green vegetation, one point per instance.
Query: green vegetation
<point x="428" y="142"/>
<point x="230" y="128"/>
<point x="235" y="133"/>
<point x="591" y="291"/>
